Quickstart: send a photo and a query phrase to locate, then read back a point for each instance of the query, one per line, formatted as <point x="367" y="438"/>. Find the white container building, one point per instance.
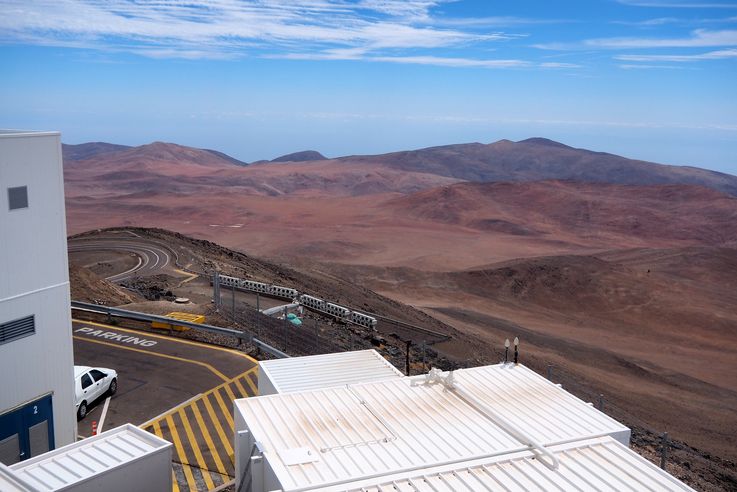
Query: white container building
<point x="323" y="371"/>
<point x="119" y="460"/>
<point x="334" y="436"/>
<point x="36" y="363"/>
<point x="593" y="464"/>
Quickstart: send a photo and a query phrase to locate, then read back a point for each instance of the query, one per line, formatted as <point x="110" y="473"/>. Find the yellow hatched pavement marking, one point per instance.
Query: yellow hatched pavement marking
<point x="197" y="453"/>
<point x="155" y="427"/>
<point x="206" y="435"/>
<point x="250" y="383"/>
<point x="240" y="387"/>
<point x="180" y="452"/>
<point x="224" y="409"/>
<point x="218" y="428"/>
<point x="174" y="483"/>
<point x="232" y="398"/>
<point x="157" y="430"/>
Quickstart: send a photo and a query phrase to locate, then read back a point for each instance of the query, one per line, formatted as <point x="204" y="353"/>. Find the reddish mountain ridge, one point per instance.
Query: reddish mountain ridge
<point x="537" y="159"/>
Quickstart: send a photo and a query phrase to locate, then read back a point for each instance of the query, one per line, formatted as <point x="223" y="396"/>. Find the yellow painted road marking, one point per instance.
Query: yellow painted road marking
<point x="174" y="483"/>
<point x="217" y="423"/>
<point x="243" y="391"/>
<point x="208" y="440"/>
<point x="173" y="339"/>
<point x="218" y="428"/>
<point x="180" y="452"/>
<point x="156" y="354"/>
<point x="157" y="430"/>
<point x="250" y="383"/>
<point x="231" y="396"/>
<point x="191" y="276"/>
<point x="196" y="448"/>
<point x="224" y="409"/>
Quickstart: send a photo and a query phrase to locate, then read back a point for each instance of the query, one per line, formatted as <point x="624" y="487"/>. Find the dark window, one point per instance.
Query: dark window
<point x="86" y="381"/>
<point x="18" y="197"/>
<point x="98" y="375"/>
<point x="19" y="328"/>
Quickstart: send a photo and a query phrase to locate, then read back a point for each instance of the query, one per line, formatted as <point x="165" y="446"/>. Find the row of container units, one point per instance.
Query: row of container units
<point x="396" y="431"/>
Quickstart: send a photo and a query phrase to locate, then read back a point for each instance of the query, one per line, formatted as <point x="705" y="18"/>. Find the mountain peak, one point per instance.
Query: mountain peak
<point x="544" y="141"/>
<point x="303" y="156"/>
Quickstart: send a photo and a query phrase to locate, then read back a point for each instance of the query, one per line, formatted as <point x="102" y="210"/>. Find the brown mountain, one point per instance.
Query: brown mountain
<point x="303" y="156"/>
<point x="80" y="152"/>
<point x="537" y="159"/>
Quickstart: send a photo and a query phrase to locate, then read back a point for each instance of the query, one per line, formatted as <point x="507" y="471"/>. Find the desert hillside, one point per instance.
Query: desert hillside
<point x="618" y="273"/>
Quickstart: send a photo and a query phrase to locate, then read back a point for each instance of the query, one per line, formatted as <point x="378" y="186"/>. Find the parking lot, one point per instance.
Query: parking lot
<point x="178" y="389"/>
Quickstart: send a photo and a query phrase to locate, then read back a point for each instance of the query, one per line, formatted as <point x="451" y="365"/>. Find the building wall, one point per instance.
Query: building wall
<point x="34" y="280"/>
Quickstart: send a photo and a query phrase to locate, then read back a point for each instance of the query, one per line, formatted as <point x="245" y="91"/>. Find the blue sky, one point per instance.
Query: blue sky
<point x="649" y="79"/>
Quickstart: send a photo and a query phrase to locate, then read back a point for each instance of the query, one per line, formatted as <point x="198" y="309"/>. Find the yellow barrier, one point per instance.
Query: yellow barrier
<point x="192" y="318"/>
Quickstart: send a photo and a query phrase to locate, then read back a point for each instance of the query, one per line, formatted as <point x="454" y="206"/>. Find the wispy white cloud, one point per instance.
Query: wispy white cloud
<point x="678" y="4"/>
<point x="640" y="66"/>
<point x="699" y="38"/>
<point x="497" y="21"/>
<point x="560" y="65"/>
<point x="711" y="55"/>
<point x="221" y="28"/>
<point x="659" y="21"/>
<point x="413" y="60"/>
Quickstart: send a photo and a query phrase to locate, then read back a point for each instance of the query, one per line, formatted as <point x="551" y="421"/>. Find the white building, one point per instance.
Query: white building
<point x="36" y="361"/>
<point x="486" y="428"/>
<point x="323" y="371"/>
<point x="123" y="459"/>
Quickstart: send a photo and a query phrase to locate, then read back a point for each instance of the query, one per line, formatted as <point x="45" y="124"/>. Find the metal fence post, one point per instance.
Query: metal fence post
<point x="233" y="302"/>
<point x="317" y="335"/>
<point x="409" y="343"/>
<point x="216" y="290"/>
<point x="285" y="329"/>
<point x="550" y="372"/>
<point x="424" y="367"/>
<point x="664" y="444"/>
<point x="600" y="403"/>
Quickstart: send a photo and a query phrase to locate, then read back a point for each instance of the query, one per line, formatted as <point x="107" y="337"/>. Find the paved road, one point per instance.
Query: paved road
<point x="178" y="389"/>
<point x="152" y="257"/>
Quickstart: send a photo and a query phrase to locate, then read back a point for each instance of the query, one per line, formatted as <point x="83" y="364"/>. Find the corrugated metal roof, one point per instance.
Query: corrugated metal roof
<point x="81" y="460"/>
<point x="374" y="429"/>
<point x="597" y="464"/>
<point x="531" y="402"/>
<point x="324" y="371"/>
<point x="9" y="481"/>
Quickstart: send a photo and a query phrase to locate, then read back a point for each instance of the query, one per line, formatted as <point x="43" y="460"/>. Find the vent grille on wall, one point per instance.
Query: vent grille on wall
<point x="19" y="328"/>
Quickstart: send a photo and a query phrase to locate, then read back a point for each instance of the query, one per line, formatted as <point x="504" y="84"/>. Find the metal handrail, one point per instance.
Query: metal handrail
<point x="124" y="313"/>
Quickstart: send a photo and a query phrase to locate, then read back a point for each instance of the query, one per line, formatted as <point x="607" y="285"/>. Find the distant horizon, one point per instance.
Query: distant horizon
<point x="649" y="79"/>
<point x="328" y="156"/>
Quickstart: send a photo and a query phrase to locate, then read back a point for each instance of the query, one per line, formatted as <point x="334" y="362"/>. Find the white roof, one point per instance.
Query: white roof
<point x="79" y="461"/>
<point x="530" y="402"/>
<point x="595" y="464"/>
<point x="373" y="429"/>
<point x="9" y="481"/>
<point x="323" y="371"/>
